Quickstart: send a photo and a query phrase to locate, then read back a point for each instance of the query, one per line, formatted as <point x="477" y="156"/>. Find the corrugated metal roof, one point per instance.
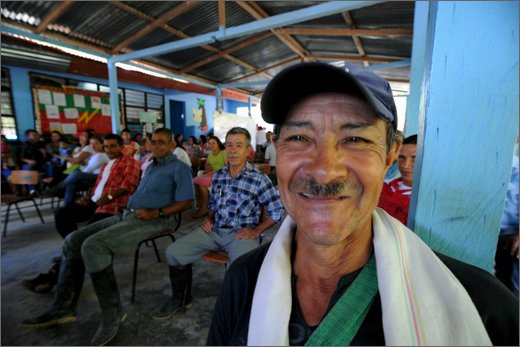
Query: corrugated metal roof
<point x="108" y="24"/>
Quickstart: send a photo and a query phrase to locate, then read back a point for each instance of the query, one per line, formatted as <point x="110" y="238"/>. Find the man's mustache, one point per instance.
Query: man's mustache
<point x="342" y="186"/>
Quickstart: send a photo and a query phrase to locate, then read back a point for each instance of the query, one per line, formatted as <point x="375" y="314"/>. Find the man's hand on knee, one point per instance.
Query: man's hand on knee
<point x="207" y="225"/>
<point x="147" y="213"/>
<point x="246" y="233"/>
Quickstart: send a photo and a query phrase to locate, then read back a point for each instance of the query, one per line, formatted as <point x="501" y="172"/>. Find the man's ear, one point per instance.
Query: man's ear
<point x="392" y="154"/>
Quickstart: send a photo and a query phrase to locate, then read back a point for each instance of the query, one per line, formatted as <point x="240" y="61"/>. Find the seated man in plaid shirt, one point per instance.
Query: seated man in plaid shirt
<point x="115" y="182"/>
<point x="165" y="190"/>
<point x="239" y="192"/>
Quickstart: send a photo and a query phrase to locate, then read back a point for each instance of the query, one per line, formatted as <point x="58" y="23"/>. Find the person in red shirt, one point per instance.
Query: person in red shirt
<point x="395" y="197"/>
<point x="117" y="180"/>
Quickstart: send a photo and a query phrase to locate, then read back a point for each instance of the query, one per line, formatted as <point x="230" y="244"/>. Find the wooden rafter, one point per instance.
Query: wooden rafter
<point x="174" y="12"/>
<point x="54" y="14"/>
<point x="346" y="32"/>
<point x="287" y="61"/>
<point x="123" y="6"/>
<point x="222" y="13"/>
<point x="357" y="42"/>
<point x="259" y="13"/>
<point x="356" y="58"/>
<point x="227" y="51"/>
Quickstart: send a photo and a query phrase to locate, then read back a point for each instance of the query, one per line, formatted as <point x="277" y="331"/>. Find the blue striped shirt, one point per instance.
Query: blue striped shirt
<point x="238" y="201"/>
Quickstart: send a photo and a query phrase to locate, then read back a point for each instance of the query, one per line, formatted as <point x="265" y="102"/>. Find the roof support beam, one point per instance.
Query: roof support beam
<point x="356" y="58"/>
<point x="227" y="51"/>
<point x="257" y="12"/>
<point x="174" y="12"/>
<point x="222" y="13"/>
<point x="298" y="16"/>
<point x="392" y="65"/>
<point x="265" y="69"/>
<point x="347" y="17"/>
<point x="55" y="13"/>
<point x="123" y="6"/>
<point x="346" y="32"/>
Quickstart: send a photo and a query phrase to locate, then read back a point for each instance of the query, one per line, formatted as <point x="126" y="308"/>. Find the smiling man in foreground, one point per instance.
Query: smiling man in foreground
<point x="340" y="271"/>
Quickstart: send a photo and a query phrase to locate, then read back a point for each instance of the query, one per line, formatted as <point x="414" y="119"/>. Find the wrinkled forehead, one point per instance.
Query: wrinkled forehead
<point x="325" y="106"/>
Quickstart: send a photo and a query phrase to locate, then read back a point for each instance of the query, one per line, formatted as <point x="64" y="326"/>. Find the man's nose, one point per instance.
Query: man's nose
<point x="326" y="165"/>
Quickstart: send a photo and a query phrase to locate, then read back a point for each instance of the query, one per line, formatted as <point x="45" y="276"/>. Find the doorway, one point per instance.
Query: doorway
<point x="177" y="114"/>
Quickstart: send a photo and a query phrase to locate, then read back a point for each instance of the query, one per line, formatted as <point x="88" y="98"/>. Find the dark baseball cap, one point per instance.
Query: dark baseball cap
<point x="302" y="80"/>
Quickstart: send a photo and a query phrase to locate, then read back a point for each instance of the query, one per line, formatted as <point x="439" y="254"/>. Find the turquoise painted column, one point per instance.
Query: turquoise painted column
<point x="22" y="100"/>
<point x="420" y="31"/>
<point x="468" y="123"/>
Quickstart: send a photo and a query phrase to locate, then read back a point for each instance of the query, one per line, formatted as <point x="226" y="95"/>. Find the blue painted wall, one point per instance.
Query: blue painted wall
<point x="191" y="127"/>
<point x="468" y="123"/>
<point x="231" y="106"/>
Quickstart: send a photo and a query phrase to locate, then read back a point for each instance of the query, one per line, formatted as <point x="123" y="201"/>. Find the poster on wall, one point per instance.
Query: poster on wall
<point x="199" y="114"/>
<point x="71" y="110"/>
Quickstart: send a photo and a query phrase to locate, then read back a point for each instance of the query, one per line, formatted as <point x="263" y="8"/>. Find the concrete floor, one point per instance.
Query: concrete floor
<point x="27" y="250"/>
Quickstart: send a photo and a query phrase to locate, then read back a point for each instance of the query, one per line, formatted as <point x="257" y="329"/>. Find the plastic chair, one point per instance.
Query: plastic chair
<point x="20" y="177"/>
<point x="164" y="233"/>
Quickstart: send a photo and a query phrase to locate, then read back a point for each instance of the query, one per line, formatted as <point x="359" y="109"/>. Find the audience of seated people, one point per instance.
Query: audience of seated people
<point x="118" y="179"/>
<point x="395" y="197"/>
<point x="217" y="159"/>
<point x="164" y="191"/>
<point x="84" y="177"/>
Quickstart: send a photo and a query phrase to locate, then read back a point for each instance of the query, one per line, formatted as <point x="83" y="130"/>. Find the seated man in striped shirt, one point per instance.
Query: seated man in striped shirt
<point x="239" y="192"/>
<point x="395" y="197"/>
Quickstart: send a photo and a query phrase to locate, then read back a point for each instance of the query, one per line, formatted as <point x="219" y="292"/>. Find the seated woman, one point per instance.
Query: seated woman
<point x="217" y="158"/>
<point x="81" y="154"/>
<point x="85" y="177"/>
<point x="194" y="150"/>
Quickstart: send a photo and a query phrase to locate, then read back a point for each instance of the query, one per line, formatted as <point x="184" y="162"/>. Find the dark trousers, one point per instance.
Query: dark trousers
<point x="68" y="217"/>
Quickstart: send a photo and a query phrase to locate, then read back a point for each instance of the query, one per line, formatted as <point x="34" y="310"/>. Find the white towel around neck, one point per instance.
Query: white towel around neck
<point x="422" y="302"/>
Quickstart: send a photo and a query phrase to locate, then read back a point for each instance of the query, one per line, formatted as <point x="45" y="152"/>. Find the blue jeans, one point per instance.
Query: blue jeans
<point x="97" y="242"/>
<point x="75" y="181"/>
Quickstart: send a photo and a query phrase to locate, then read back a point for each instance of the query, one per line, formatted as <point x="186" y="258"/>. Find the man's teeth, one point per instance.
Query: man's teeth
<point x="311" y="196"/>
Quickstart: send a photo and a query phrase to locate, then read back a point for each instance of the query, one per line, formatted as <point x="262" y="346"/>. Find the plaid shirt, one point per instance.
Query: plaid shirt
<point x="238" y="201"/>
<point x="124" y="174"/>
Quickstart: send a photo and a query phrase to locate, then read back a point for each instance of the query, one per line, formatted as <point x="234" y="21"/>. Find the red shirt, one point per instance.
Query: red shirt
<point x="395" y="199"/>
<point x="124" y="174"/>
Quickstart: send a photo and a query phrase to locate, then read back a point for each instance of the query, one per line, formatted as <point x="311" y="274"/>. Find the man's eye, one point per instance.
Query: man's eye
<point x="355" y="139"/>
<point x="296" y="138"/>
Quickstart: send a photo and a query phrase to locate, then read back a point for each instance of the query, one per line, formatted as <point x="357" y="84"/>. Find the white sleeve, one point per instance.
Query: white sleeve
<point x="97" y="160"/>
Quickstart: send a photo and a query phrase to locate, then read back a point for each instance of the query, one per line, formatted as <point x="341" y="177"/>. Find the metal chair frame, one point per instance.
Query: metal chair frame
<point x="20" y="177"/>
<point x="164" y="233"/>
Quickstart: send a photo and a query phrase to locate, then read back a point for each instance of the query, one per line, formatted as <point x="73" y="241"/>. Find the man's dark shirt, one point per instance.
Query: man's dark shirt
<point x="497" y="307"/>
<point x="32" y="151"/>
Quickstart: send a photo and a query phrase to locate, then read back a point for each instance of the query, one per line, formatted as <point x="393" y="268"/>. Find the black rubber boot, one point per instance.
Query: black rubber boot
<point x="180" y="278"/>
<point x="68" y="289"/>
<point x="112" y="313"/>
